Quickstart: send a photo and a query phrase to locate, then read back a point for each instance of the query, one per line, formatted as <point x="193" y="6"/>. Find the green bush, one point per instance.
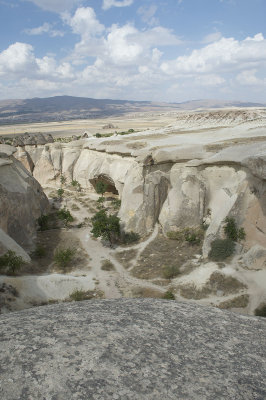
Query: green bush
<point x="105" y="226"/>
<point x="43" y="222"/>
<point x="101" y="187"/>
<point x="78" y="295"/>
<point x="261" y="311"/>
<point x="62" y="179"/>
<point x="116" y="203"/>
<point x="130" y="237"/>
<point x="170" y="271"/>
<point x="221" y="249"/>
<point x="60" y="192"/>
<point x="168" y="295"/>
<point x="65" y="215"/>
<point x="98" y="135"/>
<point x="231" y="230"/>
<point x="11" y="263"/>
<point x="39" y="252"/>
<point x="63" y="257"/>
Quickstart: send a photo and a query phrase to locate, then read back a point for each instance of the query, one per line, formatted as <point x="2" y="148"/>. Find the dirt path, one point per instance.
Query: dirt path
<point x="114" y="283"/>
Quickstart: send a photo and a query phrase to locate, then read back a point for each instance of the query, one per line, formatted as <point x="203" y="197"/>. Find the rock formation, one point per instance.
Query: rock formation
<point x="22" y="201"/>
<point x="131" y="349"/>
<point x="179" y="175"/>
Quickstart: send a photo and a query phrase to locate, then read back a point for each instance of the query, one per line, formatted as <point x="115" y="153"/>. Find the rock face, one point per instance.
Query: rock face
<point x="131" y="349"/>
<point x="22" y="201"/>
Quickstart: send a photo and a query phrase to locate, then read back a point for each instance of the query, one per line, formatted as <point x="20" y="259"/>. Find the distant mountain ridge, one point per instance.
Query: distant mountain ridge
<point x="62" y="108"/>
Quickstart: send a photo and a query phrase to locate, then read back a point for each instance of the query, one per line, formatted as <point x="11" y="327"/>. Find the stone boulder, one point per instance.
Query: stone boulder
<point x="143" y="349"/>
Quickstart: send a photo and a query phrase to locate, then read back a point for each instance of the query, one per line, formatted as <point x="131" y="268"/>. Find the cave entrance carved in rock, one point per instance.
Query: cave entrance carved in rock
<point x="111" y="188"/>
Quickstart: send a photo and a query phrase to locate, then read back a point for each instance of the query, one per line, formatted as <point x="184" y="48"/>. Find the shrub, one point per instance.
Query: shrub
<point x="60" y="192"/>
<point x="130" y="237"/>
<point x="116" y="203"/>
<point x="12" y="262"/>
<point x="232" y="232"/>
<point x="78" y="295"/>
<point x="43" y="221"/>
<point x="101" y="187"/>
<point x="170" y="271"/>
<point x="221" y="249"/>
<point x="190" y="235"/>
<point x="62" y="179"/>
<point x="98" y="135"/>
<point x="131" y="130"/>
<point x="65" y="215"/>
<point x="105" y="226"/>
<point x="107" y="265"/>
<point x="168" y="295"/>
<point x="261" y="311"/>
<point x="63" y="257"/>
<point x="39" y="252"/>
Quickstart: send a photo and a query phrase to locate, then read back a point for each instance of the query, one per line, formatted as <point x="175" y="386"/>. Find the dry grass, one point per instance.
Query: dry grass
<point x="107" y="265"/>
<point x="125" y="257"/>
<point x="217" y="282"/>
<point x="163" y="253"/>
<point x="142" y="292"/>
<point x="237" y="302"/>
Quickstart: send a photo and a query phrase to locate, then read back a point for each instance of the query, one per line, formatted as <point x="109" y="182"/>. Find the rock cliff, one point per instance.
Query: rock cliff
<point x="22" y="201"/>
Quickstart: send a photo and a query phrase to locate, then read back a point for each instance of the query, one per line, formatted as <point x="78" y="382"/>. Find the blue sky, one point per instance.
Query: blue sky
<point x="164" y="50"/>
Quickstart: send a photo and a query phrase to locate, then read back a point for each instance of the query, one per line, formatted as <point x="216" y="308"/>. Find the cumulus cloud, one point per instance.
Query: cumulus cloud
<point x="84" y="22"/>
<point x="57" y="6"/>
<point x="116" y="3"/>
<point x="249" y="78"/>
<point x="17" y="58"/>
<point x="45" y="28"/>
<point x="225" y="54"/>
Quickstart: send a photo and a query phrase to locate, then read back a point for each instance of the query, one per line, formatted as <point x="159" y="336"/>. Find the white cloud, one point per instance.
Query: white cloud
<point x="17" y="58"/>
<point x="84" y="22"/>
<point x="223" y="55"/>
<point x="116" y="3"/>
<point x="212" y="37"/>
<point x="57" y="6"/>
<point x="148" y="14"/>
<point x="45" y="28"/>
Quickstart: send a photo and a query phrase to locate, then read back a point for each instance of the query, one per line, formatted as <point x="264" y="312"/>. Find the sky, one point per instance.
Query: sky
<point x="163" y="50"/>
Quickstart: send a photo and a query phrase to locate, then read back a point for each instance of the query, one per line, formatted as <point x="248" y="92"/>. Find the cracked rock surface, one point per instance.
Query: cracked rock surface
<point x="131" y="349"/>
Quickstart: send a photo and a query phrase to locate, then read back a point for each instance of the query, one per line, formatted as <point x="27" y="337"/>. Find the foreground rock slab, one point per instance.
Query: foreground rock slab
<point x="131" y="349"/>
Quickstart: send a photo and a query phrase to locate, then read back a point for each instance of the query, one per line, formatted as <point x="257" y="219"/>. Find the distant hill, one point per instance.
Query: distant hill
<point x="63" y="108"/>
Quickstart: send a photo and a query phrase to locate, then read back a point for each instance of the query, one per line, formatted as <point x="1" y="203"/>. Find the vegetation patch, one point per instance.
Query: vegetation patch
<point x="163" y="252"/>
<point x="217" y="282"/>
<point x="169" y="295"/>
<point x="221" y="249"/>
<point x="237" y="302"/>
<point x="144" y="292"/>
<point x="63" y="257"/>
<point x="261" y="310"/>
<point x="194" y="236"/>
<point x="11" y="263"/>
<point x="64" y="215"/>
<point x="107" y="265"/>
<point x="125" y="257"/>
<point x="170" y="272"/>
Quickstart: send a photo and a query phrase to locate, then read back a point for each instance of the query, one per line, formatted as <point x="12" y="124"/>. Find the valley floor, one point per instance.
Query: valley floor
<point x="154" y="267"/>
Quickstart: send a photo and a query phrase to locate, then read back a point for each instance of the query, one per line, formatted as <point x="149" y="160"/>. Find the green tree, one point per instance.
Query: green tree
<point x="12" y="262"/>
<point x="101" y="187"/>
<point x="105" y="226"/>
<point x="63" y="257"/>
<point x="65" y="215"/>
